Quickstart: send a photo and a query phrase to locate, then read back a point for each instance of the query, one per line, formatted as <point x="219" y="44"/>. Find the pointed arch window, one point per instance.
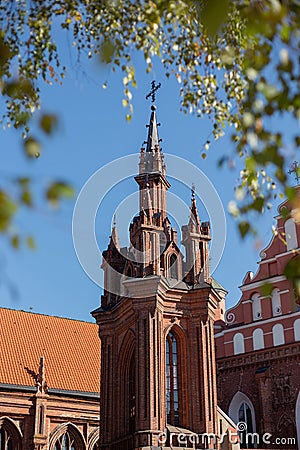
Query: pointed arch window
<point x="172" y="379"/>
<point x="245" y="416"/>
<point x="173" y="266"/>
<point x="10" y="438"/>
<point x="65" y="442"/>
<point x="5" y="440"/>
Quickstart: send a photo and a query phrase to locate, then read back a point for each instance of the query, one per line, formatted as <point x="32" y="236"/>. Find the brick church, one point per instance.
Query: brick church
<point x="258" y="347"/>
<point x="172" y="366"/>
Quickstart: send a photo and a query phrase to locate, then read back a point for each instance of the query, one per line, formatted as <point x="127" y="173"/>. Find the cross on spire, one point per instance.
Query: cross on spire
<point x="295" y="168"/>
<point x="152" y="91"/>
<point x="193" y="190"/>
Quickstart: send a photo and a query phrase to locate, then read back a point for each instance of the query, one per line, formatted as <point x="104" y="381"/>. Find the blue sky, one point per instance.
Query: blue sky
<point x="93" y="132"/>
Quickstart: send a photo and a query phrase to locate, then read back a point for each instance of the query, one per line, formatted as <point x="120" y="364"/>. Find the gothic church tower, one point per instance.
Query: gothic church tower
<point x="156" y="322"/>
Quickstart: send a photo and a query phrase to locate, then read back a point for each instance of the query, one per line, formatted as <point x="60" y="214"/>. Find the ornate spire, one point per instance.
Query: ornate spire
<point x="114" y="239"/>
<point x="153" y="140"/>
<point x="152" y="160"/>
<point x="194" y="216"/>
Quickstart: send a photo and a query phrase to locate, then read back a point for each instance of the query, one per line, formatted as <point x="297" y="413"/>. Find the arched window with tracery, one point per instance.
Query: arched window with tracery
<point x="65" y="442"/>
<point x="5" y="440"/>
<point x="172" y="379"/>
<point x="10" y="438"/>
<point x="93" y="440"/>
<point x="66" y="437"/>
<point x="241" y="410"/>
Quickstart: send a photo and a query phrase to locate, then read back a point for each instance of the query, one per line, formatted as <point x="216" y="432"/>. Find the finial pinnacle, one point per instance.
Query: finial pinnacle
<point x="193" y="190"/>
<point x="152" y="93"/>
<point x="115" y="220"/>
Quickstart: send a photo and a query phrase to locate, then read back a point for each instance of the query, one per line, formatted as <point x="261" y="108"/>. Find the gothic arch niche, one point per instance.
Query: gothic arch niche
<point x="176" y="376"/>
<point x="41" y="424"/>
<point x="298" y="418"/>
<point x="10" y="435"/>
<point x="238" y="344"/>
<point x="241" y="410"/>
<point x="126" y="385"/>
<point x="297" y="330"/>
<point x="66" y="437"/>
<point x="278" y="334"/>
<point x="276" y="302"/>
<point x="258" y="339"/>
<point x="256" y="307"/>
<point x="290" y="234"/>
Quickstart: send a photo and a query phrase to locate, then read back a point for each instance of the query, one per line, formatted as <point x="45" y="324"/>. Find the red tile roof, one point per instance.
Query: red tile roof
<point x="71" y="349"/>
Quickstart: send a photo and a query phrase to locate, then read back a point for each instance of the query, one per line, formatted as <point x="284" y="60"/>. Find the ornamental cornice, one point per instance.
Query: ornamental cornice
<point x="292" y="351"/>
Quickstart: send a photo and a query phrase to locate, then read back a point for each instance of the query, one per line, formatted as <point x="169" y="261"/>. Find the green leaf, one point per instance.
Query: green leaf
<point x="26" y="198"/>
<point x="15" y="241"/>
<point x="7" y="210"/>
<point x="292" y="269"/>
<point x="23" y="181"/>
<point x="48" y="123"/>
<point x="30" y="242"/>
<point x="107" y="51"/>
<point x="213" y="14"/>
<point x="244" y="228"/>
<point x="58" y="190"/>
<point x="258" y="204"/>
<point x="32" y="147"/>
<point x="266" y="289"/>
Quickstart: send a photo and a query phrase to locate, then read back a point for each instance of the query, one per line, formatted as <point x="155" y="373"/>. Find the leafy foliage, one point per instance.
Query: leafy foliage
<point x="235" y="62"/>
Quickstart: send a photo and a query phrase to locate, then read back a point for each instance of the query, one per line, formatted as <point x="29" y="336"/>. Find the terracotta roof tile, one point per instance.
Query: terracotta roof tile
<point x="71" y="349"/>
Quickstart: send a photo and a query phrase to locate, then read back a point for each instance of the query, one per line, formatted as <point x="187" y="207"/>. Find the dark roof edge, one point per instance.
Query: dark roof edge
<point x="18" y="387"/>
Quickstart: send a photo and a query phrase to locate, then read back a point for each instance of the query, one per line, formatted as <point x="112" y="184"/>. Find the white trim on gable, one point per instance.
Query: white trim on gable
<point x="257" y="284"/>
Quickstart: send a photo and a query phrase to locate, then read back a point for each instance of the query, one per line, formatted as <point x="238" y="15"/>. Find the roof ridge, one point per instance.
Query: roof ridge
<point x="46" y="315"/>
